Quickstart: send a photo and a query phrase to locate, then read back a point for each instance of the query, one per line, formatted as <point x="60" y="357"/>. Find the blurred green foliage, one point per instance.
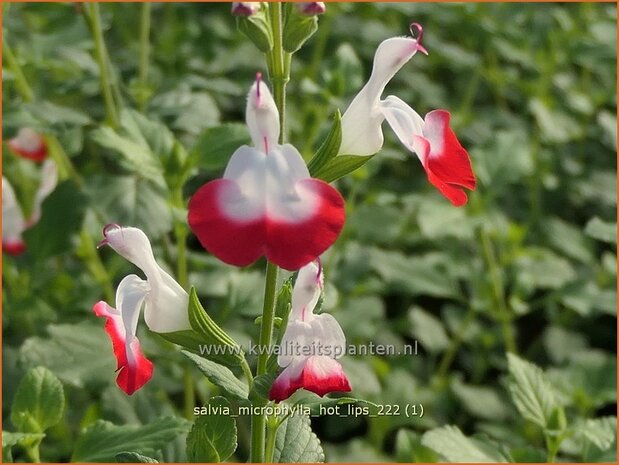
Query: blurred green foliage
<point x="528" y="266"/>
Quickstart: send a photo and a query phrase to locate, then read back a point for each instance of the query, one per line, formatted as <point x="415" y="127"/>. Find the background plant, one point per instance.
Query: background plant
<point x="134" y="120"/>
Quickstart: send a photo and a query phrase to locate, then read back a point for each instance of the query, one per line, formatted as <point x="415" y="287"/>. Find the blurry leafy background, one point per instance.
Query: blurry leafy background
<point x="528" y="266"/>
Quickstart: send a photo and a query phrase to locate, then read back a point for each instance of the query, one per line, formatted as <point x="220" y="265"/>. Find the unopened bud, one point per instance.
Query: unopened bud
<point x="245" y="8"/>
<point x="311" y="8"/>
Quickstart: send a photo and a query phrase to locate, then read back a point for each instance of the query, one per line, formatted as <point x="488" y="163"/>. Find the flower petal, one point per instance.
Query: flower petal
<point x="13" y="223"/>
<point x="270" y="206"/>
<point x="318" y="374"/>
<point x="361" y="131"/>
<point x="446" y="162"/>
<point x="29" y="144"/>
<point x="262" y="116"/>
<point x="134" y="370"/>
<point x="49" y="179"/>
<point x="307" y="289"/>
<point x="405" y="122"/>
<point x="167" y="301"/>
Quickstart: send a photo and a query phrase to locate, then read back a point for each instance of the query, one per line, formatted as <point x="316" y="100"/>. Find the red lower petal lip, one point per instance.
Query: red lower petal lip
<point x="288" y="245"/>
<point x="14" y="248"/>
<point x="132" y="375"/>
<point x="37" y="155"/>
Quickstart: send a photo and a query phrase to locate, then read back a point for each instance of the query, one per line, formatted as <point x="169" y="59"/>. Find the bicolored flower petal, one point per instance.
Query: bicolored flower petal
<point x="267" y="204"/>
<point x="166" y="302"/>
<point x="13" y="223"/>
<point x="49" y="180"/>
<point x="29" y="144"/>
<point x="318" y="374"/>
<point x="134" y="370"/>
<point x="361" y="123"/>
<point x="307" y="289"/>
<point x="446" y="162"/>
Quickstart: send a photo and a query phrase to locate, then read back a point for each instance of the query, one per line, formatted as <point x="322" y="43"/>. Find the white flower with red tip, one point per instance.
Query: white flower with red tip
<point x="13" y="221"/>
<point x="266" y="204"/>
<point x="445" y="161"/>
<point x="165" y="306"/>
<point x="311" y="343"/>
<point x="29" y="144"/>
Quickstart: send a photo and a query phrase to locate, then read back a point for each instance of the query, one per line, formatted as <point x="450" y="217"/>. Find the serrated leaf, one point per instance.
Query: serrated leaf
<point x="600" y="431"/>
<point x="449" y="442"/>
<point x="296" y="442"/>
<point x="216" y="145"/>
<point x="219" y="375"/>
<point x="531" y="390"/>
<point x="261" y="386"/>
<point x="132" y="200"/>
<point x="39" y="401"/>
<point x="602" y="230"/>
<point x="53" y="234"/>
<point x="134" y="457"/>
<point x="101" y="441"/>
<point x="77" y="354"/>
<point x="212" y="438"/>
<point x="428" y="329"/>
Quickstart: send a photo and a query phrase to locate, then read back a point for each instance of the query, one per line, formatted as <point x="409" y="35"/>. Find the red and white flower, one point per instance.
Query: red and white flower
<point x="445" y="161"/>
<point x="311" y="343"/>
<point x="13" y="221"/>
<point x="266" y="204"/>
<point x="165" y="305"/>
<point x="29" y="144"/>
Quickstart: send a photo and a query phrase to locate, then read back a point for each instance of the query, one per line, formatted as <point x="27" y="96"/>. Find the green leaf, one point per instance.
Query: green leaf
<point x="10" y="439"/>
<point x="453" y="446"/>
<point x="134" y="457"/>
<point x="216" y="145"/>
<point x="296" y="442"/>
<point x="602" y="230"/>
<point x="220" y="376"/>
<point x="602" y="432"/>
<point x="531" y="391"/>
<point x="298" y="28"/>
<point x="229" y="351"/>
<point x="212" y="438"/>
<point x="53" y="234"/>
<point x="51" y="114"/>
<point x="101" y="441"/>
<point x="341" y="166"/>
<point x="39" y="401"/>
<point x="131" y="200"/>
<point x="257" y="29"/>
<point x="480" y="401"/>
<point x="408" y="448"/>
<point x="428" y="330"/>
<point x="77" y="354"/>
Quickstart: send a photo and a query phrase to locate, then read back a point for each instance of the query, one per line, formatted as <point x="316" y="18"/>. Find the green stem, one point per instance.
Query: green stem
<point x="144" y="54"/>
<point x="268" y="316"/>
<point x="20" y="80"/>
<point x="452" y="350"/>
<point x="180" y="231"/>
<point x="101" y="56"/>
<point x="272" y="426"/>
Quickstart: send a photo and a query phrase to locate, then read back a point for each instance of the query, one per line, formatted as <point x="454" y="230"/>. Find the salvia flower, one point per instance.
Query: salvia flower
<point x="311" y="343"/>
<point x="245" y="8"/>
<point x="29" y="144"/>
<point x="165" y="305"/>
<point x="311" y="8"/>
<point x="445" y="161"/>
<point x="267" y="203"/>
<point x="13" y="221"/>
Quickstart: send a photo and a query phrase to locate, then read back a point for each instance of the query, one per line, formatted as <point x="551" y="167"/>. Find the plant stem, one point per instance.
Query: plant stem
<point x="189" y="393"/>
<point x="20" y="80"/>
<point x="452" y="350"/>
<point x="144" y="54"/>
<point x="101" y="55"/>
<point x="268" y="316"/>
<point x="272" y="427"/>
<point x="281" y="72"/>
